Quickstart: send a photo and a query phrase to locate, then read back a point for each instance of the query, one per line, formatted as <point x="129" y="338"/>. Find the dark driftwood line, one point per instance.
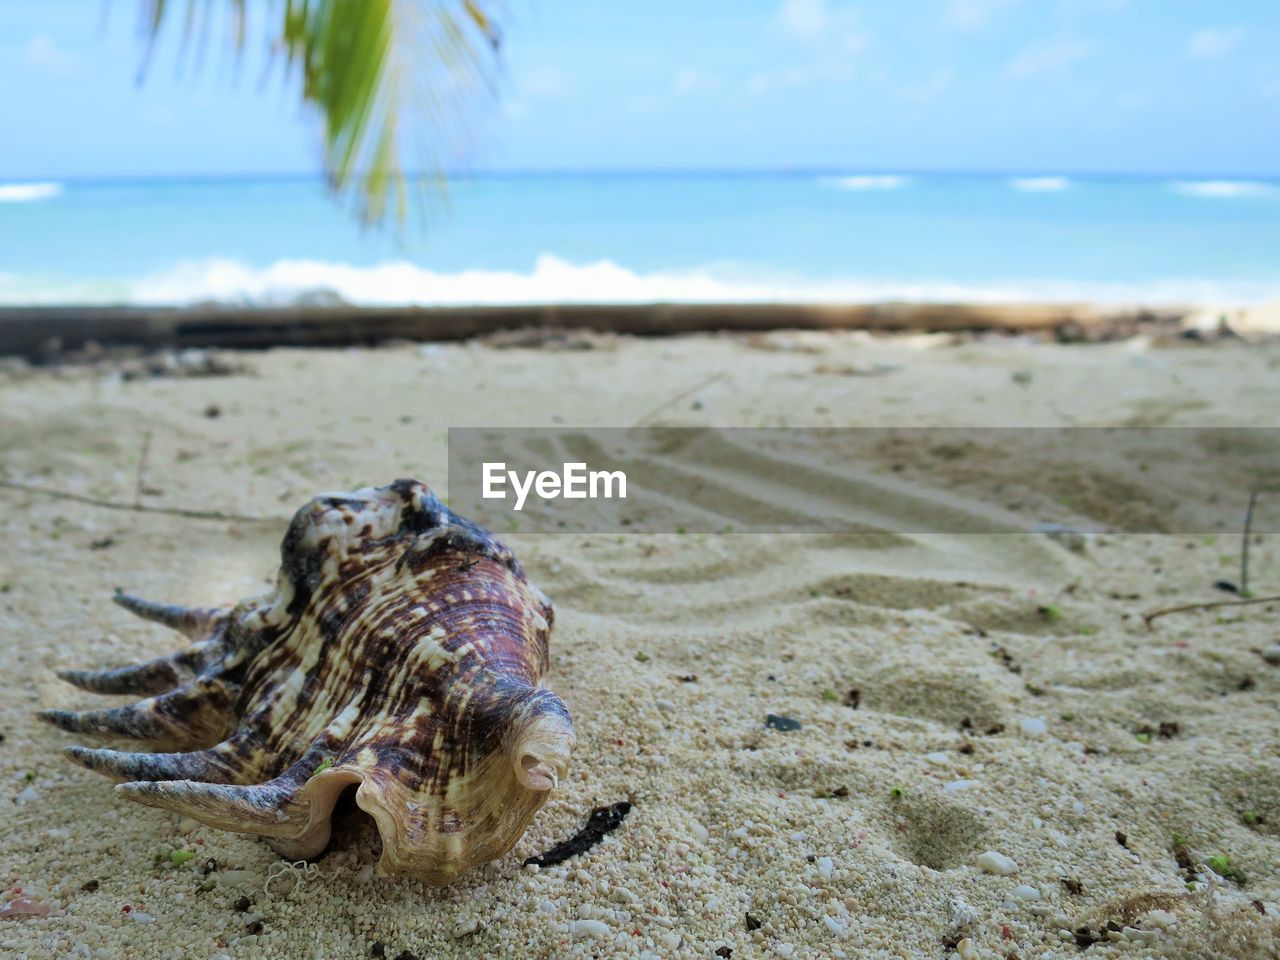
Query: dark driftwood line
<point x="38" y="332"/>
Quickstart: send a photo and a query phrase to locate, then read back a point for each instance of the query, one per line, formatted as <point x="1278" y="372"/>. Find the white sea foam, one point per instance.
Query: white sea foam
<point x="554" y="280"/>
<point x="877" y="181"/>
<point x="1223" y="188"/>
<point x="28" y="192"/>
<point x="1039" y="184"/>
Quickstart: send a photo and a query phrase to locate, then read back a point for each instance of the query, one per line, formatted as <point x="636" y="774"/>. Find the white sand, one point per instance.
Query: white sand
<point x="730" y="818"/>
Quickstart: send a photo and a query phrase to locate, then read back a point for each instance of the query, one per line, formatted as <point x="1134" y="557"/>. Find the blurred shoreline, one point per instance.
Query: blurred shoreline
<point x="40" y="332"/>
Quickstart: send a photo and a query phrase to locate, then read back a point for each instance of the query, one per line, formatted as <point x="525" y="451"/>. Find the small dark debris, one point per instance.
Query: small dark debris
<point x="256" y="927"/>
<point x="1168" y="729"/>
<point x="689" y="678"/>
<point x="1226" y="586"/>
<point x="840" y="792"/>
<point x="378" y="950"/>
<point x="406" y="955"/>
<point x="753" y="923"/>
<point x="966" y="724"/>
<point x="853" y="699"/>
<point x="776" y="721"/>
<point x="1074" y="887"/>
<point x="1122" y="839"/>
<point x="1259" y="906"/>
<point x="951" y="941"/>
<point x="994" y="730"/>
<point x="1182" y="856"/>
<point x="603" y="820"/>
<point x="209" y="866"/>
<point x="1246" y="683"/>
<point x="102" y="544"/>
<point x="724" y="952"/>
<point x="243" y="904"/>
<point x="1115" y="926"/>
<point x="966" y="749"/>
<point x="1006" y="659"/>
<point x="213" y="411"/>
<point x="1085" y="938"/>
<point x="90" y="886"/>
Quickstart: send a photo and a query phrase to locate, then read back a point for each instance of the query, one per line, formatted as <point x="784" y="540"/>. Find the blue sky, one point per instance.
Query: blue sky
<point x="1164" y="86"/>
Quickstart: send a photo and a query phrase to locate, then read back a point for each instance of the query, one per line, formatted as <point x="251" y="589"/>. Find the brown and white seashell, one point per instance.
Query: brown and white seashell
<point x="402" y="650"/>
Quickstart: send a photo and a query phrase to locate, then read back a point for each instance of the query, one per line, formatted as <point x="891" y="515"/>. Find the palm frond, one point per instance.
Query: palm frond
<point x="378" y="73"/>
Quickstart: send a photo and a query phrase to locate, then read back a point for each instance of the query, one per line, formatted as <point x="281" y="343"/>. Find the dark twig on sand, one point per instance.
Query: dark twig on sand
<point x="139" y="483"/>
<point x="1244" y="545"/>
<point x="603" y="820"/>
<point x="133" y="507"/>
<point x="643" y="421"/>
<point x="1147" y="618"/>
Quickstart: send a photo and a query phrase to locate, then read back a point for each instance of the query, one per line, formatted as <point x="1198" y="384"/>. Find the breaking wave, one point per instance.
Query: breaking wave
<point x="28" y="192"/>
<point x="1039" y="184"/>
<point x="1223" y="188"/>
<point x="878" y="181"/>
<point x="554" y="280"/>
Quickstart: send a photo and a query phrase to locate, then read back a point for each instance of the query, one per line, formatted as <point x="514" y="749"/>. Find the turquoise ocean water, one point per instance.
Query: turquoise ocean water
<point x="625" y="238"/>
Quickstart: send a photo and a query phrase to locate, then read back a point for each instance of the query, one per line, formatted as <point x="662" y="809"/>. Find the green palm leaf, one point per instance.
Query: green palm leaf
<point x="378" y="73"/>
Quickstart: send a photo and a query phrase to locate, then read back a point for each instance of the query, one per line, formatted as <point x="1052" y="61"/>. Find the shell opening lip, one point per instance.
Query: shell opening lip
<point x="540" y="755"/>
<point x="536" y="774"/>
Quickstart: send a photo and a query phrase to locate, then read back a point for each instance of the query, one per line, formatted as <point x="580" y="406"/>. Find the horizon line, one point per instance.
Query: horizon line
<point x="647" y="172"/>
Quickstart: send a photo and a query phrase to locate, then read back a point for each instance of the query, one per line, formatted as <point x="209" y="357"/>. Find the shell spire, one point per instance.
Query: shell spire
<point x="402" y="652"/>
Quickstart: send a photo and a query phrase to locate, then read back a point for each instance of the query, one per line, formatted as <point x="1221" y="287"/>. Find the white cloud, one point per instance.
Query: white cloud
<point x="804" y="18"/>
<point x="824" y="71"/>
<point x="811" y="20"/>
<point x="689" y="81"/>
<point x="972" y="14"/>
<point x="643" y="103"/>
<point x="1213" y="43"/>
<point x="1268" y="80"/>
<point x="43" y="53"/>
<point x="928" y="88"/>
<point x="1049" y="57"/>
<point x="543" y="83"/>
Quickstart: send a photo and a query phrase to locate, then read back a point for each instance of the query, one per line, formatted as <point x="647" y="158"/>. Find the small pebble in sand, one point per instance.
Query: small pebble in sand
<point x="939" y="758"/>
<point x="589" y="928"/>
<point x="967" y="950"/>
<point x="955" y="786"/>
<point x="23" y="907"/>
<point x="466" y="927"/>
<point x="997" y="863"/>
<point x="825" y="866"/>
<point x="1272" y="654"/>
<point x="141" y="917"/>
<point x="1024" y="891"/>
<point x="962" y="913"/>
<point x="365" y="873"/>
<point x="778" y="722"/>
<point x="1033" y="726"/>
<point x="235" y="878"/>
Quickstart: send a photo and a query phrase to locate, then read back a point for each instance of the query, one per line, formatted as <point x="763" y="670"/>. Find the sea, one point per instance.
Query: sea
<point x="639" y="237"/>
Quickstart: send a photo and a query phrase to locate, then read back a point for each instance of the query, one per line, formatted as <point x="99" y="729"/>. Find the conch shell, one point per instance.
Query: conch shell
<point x="402" y="650"/>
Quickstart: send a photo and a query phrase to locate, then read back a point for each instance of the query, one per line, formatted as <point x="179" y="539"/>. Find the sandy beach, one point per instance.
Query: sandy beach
<point x="995" y="757"/>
